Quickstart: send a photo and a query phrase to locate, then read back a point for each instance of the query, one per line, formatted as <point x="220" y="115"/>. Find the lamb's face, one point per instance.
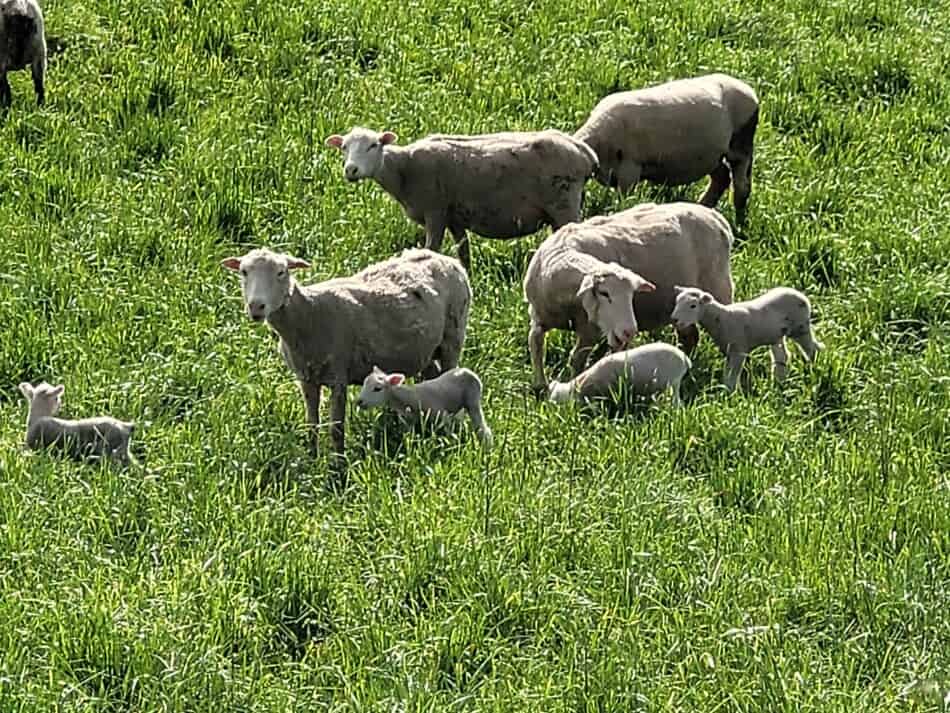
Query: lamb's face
<point x="362" y="152"/>
<point x="689" y="306"/>
<point x="265" y="280"/>
<point x="607" y="297"/>
<point x="375" y="385"/>
<point x="45" y="399"/>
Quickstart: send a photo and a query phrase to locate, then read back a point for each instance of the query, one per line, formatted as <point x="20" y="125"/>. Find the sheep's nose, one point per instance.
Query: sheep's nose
<point x="629" y="334"/>
<point x="350" y="171"/>
<point x="256" y="310"/>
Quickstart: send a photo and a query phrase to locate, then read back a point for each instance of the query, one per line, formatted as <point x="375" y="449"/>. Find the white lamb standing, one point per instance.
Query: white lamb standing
<point x="100" y="436"/>
<point x="22" y="45"/>
<point x="647" y="370"/>
<point x="502" y="185"/>
<point x="739" y="328"/>
<point x="407" y="314"/>
<point x="676" y="133"/>
<point x="440" y="398"/>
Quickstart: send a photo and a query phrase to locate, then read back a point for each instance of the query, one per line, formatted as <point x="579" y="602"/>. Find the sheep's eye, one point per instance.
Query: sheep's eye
<point x="243" y="272"/>
<point x="373" y="145"/>
<point x="605" y="295"/>
<point x="282" y="273"/>
<point x="692" y="306"/>
<point x="377" y="388"/>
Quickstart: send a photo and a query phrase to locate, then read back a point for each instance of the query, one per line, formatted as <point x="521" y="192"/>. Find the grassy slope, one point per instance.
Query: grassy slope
<point x="589" y="563"/>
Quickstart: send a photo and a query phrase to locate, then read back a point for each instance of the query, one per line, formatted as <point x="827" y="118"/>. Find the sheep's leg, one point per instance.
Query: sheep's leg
<point x="741" y="150"/>
<point x="586" y="339"/>
<point x="779" y="360"/>
<point x="536" y="347"/>
<point x="806" y="340"/>
<point x="677" y="400"/>
<point x="733" y="368"/>
<point x="461" y="242"/>
<point x="718" y="183"/>
<point x="435" y="231"/>
<point x="6" y="96"/>
<point x="337" y="417"/>
<point x="39" y="70"/>
<point x="688" y="338"/>
<point x="627" y="177"/>
<point x="311" y="397"/>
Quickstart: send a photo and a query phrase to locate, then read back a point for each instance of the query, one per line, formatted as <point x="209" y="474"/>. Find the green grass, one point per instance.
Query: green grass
<point x="782" y="549"/>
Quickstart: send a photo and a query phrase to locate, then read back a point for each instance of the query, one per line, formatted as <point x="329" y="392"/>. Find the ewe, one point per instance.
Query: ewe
<point x="403" y="313"/>
<point x="22" y="45"/>
<point x="497" y="185"/>
<point x="676" y="133"/>
<point x="739" y="328"/>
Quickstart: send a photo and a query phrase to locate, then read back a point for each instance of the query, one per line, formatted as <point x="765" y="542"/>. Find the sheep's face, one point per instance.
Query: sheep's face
<point x="45" y="399"/>
<point x="616" y="171"/>
<point x="375" y="386"/>
<point x="607" y="297"/>
<point x="265" y="280"/>
<point x="689" y="306"/>
<point x="362" y="152"/>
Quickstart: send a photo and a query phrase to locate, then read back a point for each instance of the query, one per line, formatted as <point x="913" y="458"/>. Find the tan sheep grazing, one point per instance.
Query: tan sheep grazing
<point x="676" y="133"/>
<point x="647" y="370"/>
<point x="503" y="185"/>
<point x="97" y="437"/>
<point x="407" y="314"/>
<point x="739" y="328"/>
<point x="662" y="245"/>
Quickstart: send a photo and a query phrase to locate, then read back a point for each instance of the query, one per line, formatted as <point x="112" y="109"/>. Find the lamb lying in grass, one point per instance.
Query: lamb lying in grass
<point x="739" y="328"/>
<point x="438" y="398"/>
<point x="646" y="370"/>
<point x="86" y="438"/>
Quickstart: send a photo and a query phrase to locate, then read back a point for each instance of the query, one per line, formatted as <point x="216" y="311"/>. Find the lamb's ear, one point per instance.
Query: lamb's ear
<point x="586" y="295"/>
<point x="58" y="391"/>
<point x="26" y="389"/>
<point x="377" y="370"/>
<point x="706" y="298"/>
<point x="645" y="286"/>
<point x="676" y="290"/>
<point x="294" y="263"/>
<point x="388" y="137"/>
<point x="335" y="141"/>
<point x="231" y="263"/>
<point x="395" y="379"/>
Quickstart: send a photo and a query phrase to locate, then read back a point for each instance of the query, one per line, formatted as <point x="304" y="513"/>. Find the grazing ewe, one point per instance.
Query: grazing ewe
<point x="496" y="185"/>
<point x="22" y="45"/>
<point x="664" y="245"/>
<point x="647" y="370"/>
<point x="89" y="437"/>
<point x="676" y="133"/>
<point x="403" y="314"/>
<point x="438" y="398"/>
<point x="739" y="328"/>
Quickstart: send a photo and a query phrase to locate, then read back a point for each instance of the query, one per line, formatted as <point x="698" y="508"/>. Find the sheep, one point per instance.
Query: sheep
<point x="739" y="328"/>
<point x="502" y="185"/>
<point x="437" y="398"/>
<point x="675" y="133"/>
<point x="406" y="314"/>
<point x="647" y="370"/>
<point x="101" y="436"/>
<point x="22" y="45"/>
<point x="659" y="245"/>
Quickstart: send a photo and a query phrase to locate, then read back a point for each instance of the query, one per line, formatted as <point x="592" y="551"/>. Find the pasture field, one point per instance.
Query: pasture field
<point x="780" y="549"/>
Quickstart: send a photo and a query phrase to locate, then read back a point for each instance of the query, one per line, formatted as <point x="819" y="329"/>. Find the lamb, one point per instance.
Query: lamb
<point x="675" y="133"/>
<point x="101" y="436"/>
<point x="22" y="45"/>
<point x="438" y="398"/>
<point x="659" y="245"/>
<point x="739" y="328"/>
<point x="407" y="314"/>
<point x="502" y="185"/>
<point x="647" y="370"/>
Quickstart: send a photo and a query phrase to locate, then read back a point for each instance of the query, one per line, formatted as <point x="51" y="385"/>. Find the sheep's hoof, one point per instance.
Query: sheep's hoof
<point x="540" y="391"/>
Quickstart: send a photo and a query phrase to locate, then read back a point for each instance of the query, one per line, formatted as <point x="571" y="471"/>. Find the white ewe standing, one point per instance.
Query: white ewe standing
<point x="22" y="45"/>
<point x="676" y="133"/>
<point x="439" y="398"/>
<point x="646" y="370"/>
<point x="501" y="185"/>
<point x="739" y="328"/>
<point x="101" y="436"/>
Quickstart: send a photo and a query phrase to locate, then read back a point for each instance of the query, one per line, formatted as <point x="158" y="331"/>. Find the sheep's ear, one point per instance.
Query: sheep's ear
<point x="586" y="295"/>
<point x="58" y="391"/>
<point x="294" y="263"/>
<point x="377" y="370"/>
<point x="676" y="290"/>
<point x="587" y="284"/>
<point x="645" y="286"/>
<point x="706" y="298"/>
<point x="26" y="389"/>
<point x="388" y="137"/>
<point x="231" y="263"/>
<point x="395" y="379"/>
<point x="335" y="141"/>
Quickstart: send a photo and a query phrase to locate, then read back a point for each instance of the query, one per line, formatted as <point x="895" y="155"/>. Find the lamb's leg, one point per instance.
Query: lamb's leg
<point x="586" y="339"/>
<point x="6" y="96"/>
<point x="718" y="183"/>
<point x="435" y="231"/>
<point x="39" y="70"/>
<point x="733" y="368"/>
<point x="677" y="400"/>
<point x="461" y="241"/>
<point x="779" y="360"/>
<point x="311" y="397"/>
<point x="536" y="347"/>
<point x="688" y="338"/>
<point x="806" y="340"/>
<point x="337" y="416"/>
